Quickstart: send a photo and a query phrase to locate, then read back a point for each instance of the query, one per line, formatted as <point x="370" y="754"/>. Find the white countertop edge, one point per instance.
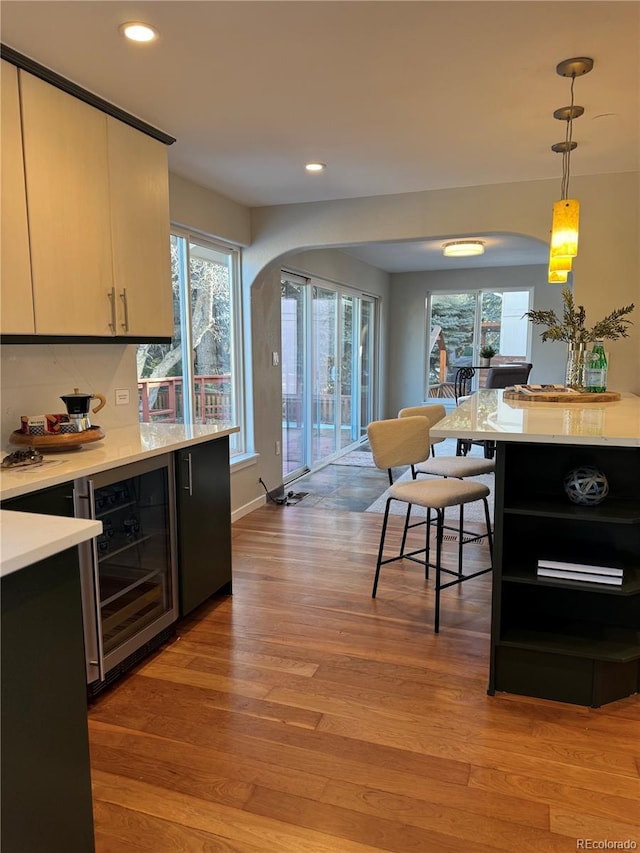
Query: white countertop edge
<point x="121" y="446"/>
<point x="486" y="416"/>
<point x="533" y="438"/>
<point x="28" y="537"/>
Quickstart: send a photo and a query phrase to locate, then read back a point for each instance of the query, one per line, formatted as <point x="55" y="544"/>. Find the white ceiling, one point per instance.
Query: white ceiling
<point x="393" y="96"/>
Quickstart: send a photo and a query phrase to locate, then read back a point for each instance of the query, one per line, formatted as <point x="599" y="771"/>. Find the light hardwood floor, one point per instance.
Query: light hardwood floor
<point x="301" y="716"/>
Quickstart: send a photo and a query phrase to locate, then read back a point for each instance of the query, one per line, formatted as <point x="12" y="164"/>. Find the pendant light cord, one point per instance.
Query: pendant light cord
<point x="566" y="155"/>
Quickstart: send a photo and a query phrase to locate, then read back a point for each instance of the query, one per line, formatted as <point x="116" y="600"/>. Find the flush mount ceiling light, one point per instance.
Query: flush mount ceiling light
<point x="137" y="31"/>
<point x="463" y="248"/>
<point x="566" y="212"/>
<point x="315" y="167"/>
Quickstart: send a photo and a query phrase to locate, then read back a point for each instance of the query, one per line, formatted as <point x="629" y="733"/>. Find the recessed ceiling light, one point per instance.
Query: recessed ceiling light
<point x="463" y="248"/>
<point x="315" y="167"/>
<point x="137" y="31"/>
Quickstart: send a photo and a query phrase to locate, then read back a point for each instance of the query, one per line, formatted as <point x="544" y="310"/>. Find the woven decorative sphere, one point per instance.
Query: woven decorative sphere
<point x="586" y="486"/>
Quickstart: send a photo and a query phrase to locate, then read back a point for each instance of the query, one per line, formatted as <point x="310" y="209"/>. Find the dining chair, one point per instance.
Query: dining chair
<point x="497" y="377"/>
<point x="405" y="441"/>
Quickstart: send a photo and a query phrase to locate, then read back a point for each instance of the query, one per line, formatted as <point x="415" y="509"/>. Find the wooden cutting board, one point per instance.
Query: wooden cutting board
<point x="49" y="443"/>
<point x="550" y="397"/>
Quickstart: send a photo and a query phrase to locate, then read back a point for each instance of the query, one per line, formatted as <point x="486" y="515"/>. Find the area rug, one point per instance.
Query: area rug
<point x="472" y="512"/>
<point x="357" y="458"/>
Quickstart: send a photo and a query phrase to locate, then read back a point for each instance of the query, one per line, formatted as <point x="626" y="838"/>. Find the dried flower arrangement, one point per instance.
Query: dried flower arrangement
<point x="572" y="328"/>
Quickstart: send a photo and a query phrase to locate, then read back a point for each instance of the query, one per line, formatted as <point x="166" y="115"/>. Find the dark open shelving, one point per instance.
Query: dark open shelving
<point x="577" y="638"/>
<point x="610" y="511"/>
<point x="559" y="638"/>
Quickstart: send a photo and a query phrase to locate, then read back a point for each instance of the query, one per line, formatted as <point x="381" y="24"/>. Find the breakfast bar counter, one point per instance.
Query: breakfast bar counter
<point x="486" y="415"/>
<point x="566" y="492"/>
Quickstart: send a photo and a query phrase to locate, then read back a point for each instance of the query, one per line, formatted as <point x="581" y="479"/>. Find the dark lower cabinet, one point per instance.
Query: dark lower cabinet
<point x="203" y="501"/>
<point x="46" y="778"/>
<point x="45" y="782"/>
<point x="561" y="638"/>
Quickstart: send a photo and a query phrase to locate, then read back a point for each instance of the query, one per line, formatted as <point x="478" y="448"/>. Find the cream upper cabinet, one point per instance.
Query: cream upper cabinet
<point x="97" y="207"/>
<point x="16" y="300"/>
<point x="67" y="178"/>
<point x="139" y="185"/>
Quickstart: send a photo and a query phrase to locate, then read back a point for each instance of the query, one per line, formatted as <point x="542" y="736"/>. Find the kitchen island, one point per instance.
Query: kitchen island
<point x="45" y="778"/>
<point x="561" y="638"/>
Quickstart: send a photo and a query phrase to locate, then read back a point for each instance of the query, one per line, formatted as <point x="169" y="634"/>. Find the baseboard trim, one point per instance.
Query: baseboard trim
<point x="256" y="503"/>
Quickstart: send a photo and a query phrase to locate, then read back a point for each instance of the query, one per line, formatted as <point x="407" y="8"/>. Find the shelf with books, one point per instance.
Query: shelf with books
<point x="526" y="574"/>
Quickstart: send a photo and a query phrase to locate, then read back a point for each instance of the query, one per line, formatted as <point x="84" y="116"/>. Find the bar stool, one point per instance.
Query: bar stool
<point x="447" y="466"/>
<point x="405" y="441"/>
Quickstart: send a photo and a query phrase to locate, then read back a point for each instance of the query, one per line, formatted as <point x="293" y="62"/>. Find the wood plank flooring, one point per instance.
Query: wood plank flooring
<point x="301" y="716"/>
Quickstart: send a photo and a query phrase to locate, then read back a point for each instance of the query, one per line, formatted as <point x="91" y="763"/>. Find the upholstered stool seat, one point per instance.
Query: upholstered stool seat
<point x="455" y="466"/>
<point x="438" y="494"/>
<point x="405" y="441"/>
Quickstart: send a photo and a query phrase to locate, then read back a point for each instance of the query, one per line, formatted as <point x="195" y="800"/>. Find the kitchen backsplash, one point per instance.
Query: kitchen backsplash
<point x="33" y="378"/>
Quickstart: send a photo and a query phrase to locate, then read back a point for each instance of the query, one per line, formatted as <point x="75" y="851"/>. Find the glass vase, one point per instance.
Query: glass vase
<point x="576" y="367"/>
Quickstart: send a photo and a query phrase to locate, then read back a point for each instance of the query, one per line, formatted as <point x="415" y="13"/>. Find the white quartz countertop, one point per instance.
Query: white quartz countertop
<point x="487" y="415"/>
<point x="27" y="537"/>
<point x="120" y="446"/>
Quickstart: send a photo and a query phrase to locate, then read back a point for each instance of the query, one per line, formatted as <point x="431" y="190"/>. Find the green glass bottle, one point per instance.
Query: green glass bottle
<point x="596" y="373"/>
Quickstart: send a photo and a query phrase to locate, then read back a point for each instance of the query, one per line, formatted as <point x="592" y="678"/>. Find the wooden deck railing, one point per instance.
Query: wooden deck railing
<point x="160" y="400"/>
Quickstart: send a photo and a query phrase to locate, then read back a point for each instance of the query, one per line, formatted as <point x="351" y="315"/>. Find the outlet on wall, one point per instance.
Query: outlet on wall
<point x="277" y="448"/>
<point x="122" y="397"/>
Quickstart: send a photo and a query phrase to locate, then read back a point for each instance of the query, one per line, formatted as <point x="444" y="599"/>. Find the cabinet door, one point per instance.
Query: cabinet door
<point x="15" y="269"/>
<point x="66" y="167"/>
<point x="46" y="781"/>
<point x="139" y="182"/>
<point x="204" y="522"/>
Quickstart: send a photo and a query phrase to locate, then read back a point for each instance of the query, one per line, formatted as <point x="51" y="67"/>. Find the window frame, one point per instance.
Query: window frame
<point x="237" y="441"/>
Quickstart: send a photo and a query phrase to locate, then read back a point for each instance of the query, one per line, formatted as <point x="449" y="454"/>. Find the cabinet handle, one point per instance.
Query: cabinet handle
<point x="189" y="486"/>
<point x="112" y="299"/>
<point x="123" y="296"/>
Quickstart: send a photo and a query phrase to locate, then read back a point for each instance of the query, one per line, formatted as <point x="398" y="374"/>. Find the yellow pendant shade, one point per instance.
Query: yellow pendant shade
<point x="558" y="276"/>
<point x="560" y="264"/>
<point x="564" y="228"/>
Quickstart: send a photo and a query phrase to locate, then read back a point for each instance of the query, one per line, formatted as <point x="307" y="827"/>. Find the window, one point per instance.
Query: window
<point x="198" y="377"/>
<point x="460" y="323"/>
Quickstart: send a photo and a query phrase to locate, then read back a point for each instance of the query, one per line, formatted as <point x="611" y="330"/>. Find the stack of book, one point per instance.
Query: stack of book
<point x="580" y="572"/>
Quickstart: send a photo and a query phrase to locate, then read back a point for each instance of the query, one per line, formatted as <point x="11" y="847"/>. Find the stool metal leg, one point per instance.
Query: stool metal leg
<point x="460" y="537"/>
<point x="489" y="533"/>
<point x="381" y="548"/>
<point x="439" y="536"/>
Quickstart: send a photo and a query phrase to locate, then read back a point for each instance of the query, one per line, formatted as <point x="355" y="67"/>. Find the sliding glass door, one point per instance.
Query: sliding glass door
<point x="327" y="357"/>
<point x="460" y="324"/>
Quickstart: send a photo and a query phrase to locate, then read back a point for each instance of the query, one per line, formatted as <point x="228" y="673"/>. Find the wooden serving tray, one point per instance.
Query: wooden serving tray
<point x="550" y="397"/>
<point x="67" y="441"/>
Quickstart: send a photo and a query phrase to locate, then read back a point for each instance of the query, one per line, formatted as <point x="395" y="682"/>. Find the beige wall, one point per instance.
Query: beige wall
<point x="205" y="210"/>
<point x="606" y="272"/>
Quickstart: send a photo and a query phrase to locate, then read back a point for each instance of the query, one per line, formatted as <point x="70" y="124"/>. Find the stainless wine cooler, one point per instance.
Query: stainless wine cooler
<point x="128" y="573"/>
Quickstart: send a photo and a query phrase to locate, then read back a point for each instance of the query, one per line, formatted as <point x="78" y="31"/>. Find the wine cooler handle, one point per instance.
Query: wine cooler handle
<point x="96" y="589"/>
<point x="189" y="486"/>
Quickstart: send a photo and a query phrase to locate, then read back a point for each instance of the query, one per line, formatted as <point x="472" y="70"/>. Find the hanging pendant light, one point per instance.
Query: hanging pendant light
<point x="566" y="212"/>
<point x="561" y="263"/>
